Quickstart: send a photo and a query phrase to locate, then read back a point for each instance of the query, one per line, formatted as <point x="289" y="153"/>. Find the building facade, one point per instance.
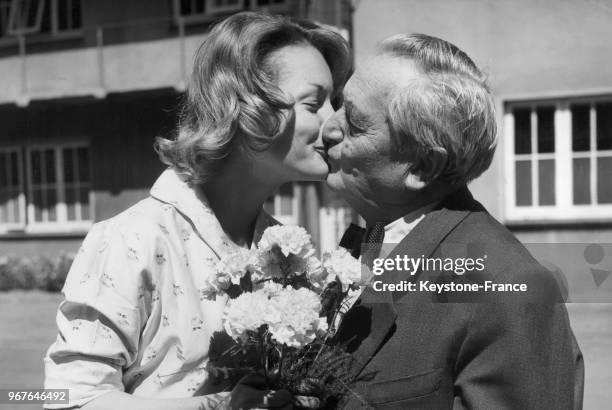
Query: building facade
<point x="85" y="87"/>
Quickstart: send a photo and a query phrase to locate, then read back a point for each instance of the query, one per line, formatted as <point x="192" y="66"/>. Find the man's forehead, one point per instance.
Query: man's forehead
<point x="379" y="75"/>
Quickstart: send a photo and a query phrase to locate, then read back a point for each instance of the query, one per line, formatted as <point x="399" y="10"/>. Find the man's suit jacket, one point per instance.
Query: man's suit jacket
<point x="422" y="350"/>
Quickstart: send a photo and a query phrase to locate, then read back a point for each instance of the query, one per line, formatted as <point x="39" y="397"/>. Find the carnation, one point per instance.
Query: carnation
<point x="290" y="239"/>
<point x="291" y="315"/>
<point x="275" y="265"/>
<point x="342" y="265"/>
<point x="247" y="313"/>
<point x="234" y="265"/>
<point x="300" y="323"/>
<point x="318" y="277"/>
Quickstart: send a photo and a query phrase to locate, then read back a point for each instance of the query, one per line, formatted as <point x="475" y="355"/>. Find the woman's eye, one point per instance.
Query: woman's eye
<point x="312" y="106"/>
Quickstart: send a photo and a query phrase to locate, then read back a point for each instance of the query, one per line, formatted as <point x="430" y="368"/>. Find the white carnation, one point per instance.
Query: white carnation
<point x="234" y="265"/>
<point x="317" y="275"/>
<point x="290" y="239"/>
<point x="292" y="316"/>
<point x="340" y="263"/>
<point x="248" y="312"/>
<point x="300" y="323"/>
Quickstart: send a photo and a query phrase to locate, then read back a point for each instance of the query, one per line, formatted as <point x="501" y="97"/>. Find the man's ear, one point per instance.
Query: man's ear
<point x="414" y="182"/>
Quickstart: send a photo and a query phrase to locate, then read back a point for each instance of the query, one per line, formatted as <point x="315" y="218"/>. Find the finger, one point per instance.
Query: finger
<point x="276" y="398"/>
<point x="307" y="402"/>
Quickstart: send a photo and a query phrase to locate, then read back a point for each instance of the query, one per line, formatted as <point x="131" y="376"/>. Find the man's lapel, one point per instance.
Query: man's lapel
<point x="372" y="318"/>
<point x="368" y="323"/>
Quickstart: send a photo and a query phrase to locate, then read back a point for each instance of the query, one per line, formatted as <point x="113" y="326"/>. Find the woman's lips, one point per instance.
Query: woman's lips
<point x="323" y="153"/>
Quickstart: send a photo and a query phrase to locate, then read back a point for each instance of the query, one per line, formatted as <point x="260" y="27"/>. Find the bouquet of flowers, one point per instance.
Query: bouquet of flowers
<point x="283" y="300"/>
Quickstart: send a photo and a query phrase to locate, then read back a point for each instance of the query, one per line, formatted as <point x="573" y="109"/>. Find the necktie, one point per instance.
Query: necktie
<point x="375" y="234"/>
<point x="373" y="242"/>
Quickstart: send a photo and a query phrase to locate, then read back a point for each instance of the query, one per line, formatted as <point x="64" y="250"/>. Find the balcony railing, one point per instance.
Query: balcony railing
<point x="110" y="58"/>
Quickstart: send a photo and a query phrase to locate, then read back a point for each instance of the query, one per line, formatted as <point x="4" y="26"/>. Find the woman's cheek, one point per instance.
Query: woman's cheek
<point x="311" y="125"/>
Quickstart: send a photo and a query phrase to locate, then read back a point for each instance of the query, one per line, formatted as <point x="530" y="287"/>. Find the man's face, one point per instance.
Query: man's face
<point x="364" y="163"/>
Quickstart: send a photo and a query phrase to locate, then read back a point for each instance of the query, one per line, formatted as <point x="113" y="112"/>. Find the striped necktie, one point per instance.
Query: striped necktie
<point x="375" y="234"/>
<point x="374" y="237"/>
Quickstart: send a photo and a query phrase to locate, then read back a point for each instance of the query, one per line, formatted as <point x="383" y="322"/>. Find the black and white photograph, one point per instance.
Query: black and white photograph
<point x="305" y="204"/>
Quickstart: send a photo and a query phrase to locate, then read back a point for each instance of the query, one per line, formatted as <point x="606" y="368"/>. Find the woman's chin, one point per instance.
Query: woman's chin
<point x="313" y="171"/>
<point x="312" y="174"/>
<point x="316" y="175"/>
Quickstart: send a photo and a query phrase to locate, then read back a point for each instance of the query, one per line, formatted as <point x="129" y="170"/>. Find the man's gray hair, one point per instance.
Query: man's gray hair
<point x="444" y="121"/>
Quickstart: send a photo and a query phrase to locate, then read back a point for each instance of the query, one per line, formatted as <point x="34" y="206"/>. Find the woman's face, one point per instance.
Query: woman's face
<point x="303" y="75"/>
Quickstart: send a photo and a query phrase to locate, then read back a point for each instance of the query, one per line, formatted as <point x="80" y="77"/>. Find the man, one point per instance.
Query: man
<point x="417" y="125"/>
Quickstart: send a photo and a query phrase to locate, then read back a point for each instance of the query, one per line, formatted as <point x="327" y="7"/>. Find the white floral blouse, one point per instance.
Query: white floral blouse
<point x="135" y="317"/>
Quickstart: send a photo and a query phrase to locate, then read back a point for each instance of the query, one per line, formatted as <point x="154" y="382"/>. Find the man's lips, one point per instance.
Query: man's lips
<point x="330" y="158"/>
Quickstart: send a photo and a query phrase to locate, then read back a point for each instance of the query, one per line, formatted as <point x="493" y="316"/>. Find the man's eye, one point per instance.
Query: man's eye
<point x="352" y="125"/>
<point x="353" y="129"/>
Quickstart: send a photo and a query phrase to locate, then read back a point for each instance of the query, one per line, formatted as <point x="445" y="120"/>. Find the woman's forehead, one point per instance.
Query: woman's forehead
<point x="303" y="63"/>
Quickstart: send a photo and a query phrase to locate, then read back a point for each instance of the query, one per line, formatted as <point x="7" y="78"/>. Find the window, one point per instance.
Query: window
<point x="59" y="186"/>
<point x="5" y="9"/>
<point x="592" y="153"/>
<point x="40" y="16"/>
<point x="560" y="162"/>
<point x="269" y="4"/>
<point x="193" y="11"/>
<point x="197" y="11"/>
<point x="534" y="153"/>
<point x="284" y="205"/>
<point x="12" y="199"/>
<point x="223" y="6"/>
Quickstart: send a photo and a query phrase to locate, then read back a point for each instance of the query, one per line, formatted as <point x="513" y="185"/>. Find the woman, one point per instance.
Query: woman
<point x="136" y="324"/>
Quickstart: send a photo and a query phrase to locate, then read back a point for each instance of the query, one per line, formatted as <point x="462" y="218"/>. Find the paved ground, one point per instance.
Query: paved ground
<point x="27" y="328"/>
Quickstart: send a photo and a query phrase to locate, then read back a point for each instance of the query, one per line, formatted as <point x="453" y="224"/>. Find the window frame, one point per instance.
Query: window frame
<point x="14" y="226"/>
<point x="5" y="13"/>
<point x="564" y="209"/>
<point x="61" y="224"/>
<point x="210" y="11"/>
<point x="284" y="6"/>
<point x="55" y="32"/>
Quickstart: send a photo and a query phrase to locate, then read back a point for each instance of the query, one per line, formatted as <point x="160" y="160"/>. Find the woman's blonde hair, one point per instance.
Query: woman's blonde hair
<point x="232" y="98"/>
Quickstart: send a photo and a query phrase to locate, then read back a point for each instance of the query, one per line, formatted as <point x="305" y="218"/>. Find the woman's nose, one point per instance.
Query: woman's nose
<point x="326" y="111"/>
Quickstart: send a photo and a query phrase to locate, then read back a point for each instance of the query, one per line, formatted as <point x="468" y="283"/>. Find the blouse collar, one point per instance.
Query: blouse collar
<point x="172" y="189"/>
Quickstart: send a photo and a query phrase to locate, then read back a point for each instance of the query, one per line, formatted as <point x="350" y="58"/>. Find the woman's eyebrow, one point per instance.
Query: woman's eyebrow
<point x="313" y="89"/>
<point x="321" y="90"/>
